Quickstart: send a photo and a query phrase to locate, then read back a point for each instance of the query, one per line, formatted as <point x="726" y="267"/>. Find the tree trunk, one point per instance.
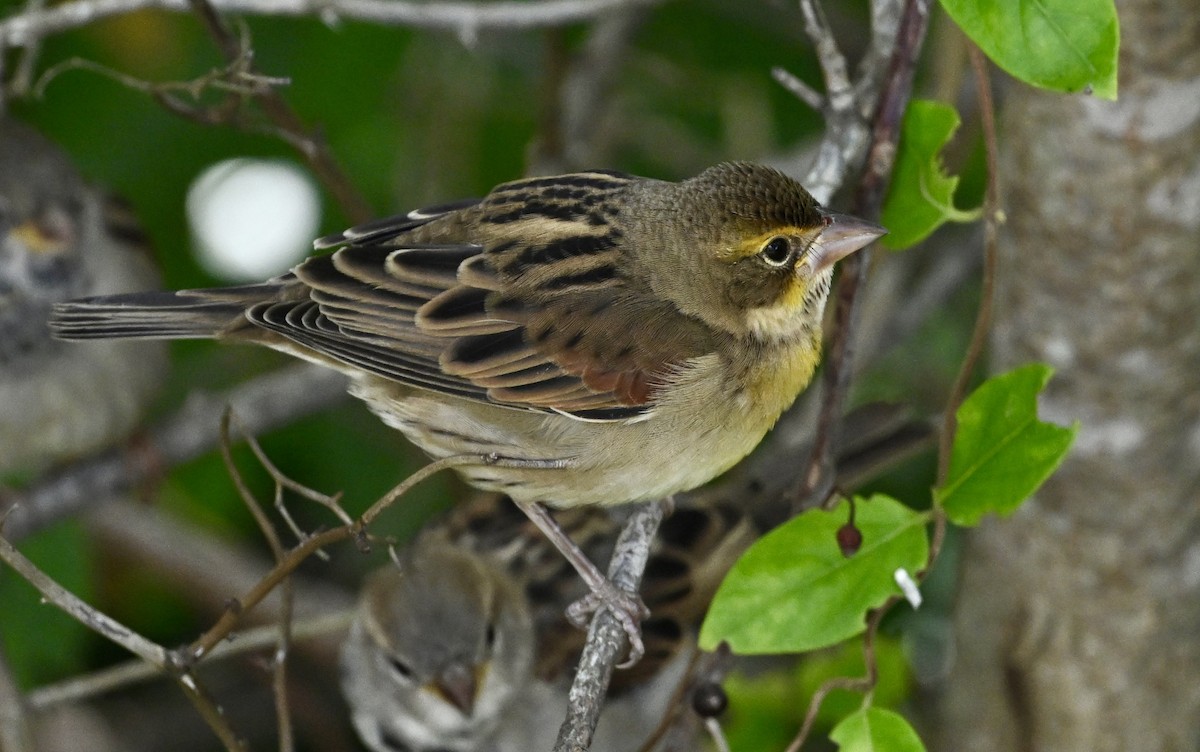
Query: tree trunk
<point x="1078" y="623"/>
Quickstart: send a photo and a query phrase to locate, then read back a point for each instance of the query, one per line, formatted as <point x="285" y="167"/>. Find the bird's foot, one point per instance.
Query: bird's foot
<point x="626" y="607"/>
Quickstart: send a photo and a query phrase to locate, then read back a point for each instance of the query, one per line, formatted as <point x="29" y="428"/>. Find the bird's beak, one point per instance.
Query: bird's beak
<point x="843" y="235"/>
<point x="459" y="684"/>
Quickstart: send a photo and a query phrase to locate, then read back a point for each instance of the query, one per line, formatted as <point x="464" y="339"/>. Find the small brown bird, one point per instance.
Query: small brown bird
<point x="591" y="338"/>
<point x="59" y="239"/>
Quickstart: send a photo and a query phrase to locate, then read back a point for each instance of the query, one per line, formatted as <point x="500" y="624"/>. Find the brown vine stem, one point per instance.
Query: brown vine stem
<point x="992" y="215"/>
<point x="852" y="684"/>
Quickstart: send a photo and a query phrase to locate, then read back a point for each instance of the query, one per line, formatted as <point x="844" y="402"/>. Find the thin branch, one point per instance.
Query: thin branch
<point x="838" y="91"/>
<point x="15" y="735"/>
<point x="122" y="675"/>
<point x="356" y="531"/>
<point x="798" y="88"/>
<point x="119" y="634"/>
<point x="465" y="18"/>
<point x="283" y="713"/>
<point x="23" y="76"/>
<point x="885" y="22"/>
<point x="264" y="403"/>
<point x="853" y="684"/>
<point x="885" y="132"/>
<point x="992" y="214"/>
<point x="606" y="637"/>
<point x="310" y="144"/>
<point x="133" y="672"/>
<point x="98" y="622"/>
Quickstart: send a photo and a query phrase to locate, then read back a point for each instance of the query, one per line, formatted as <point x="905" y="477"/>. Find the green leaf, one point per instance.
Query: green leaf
<point x="876" y="730"/>
<point x="1001" y="452"/>
<point x="794" y="590"/>
<point x="1063" y="45"/>
<point x="921" y="196"/>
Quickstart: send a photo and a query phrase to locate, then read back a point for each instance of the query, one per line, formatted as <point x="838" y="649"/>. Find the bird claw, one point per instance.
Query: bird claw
<point x="626" y="607"/>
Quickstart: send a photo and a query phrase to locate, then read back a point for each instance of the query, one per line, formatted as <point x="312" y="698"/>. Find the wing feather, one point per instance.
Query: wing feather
<point x="513" y="300"/>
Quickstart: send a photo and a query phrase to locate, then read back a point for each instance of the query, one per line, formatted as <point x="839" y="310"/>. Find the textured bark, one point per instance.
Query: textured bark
<point x="1078" y="624"/>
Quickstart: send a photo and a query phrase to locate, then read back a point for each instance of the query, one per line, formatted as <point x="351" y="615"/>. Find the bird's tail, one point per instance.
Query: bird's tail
<point x="187" y="314"/>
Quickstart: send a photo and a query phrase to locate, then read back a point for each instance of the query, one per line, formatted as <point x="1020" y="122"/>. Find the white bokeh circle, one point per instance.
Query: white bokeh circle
<point x="252" y="218"/>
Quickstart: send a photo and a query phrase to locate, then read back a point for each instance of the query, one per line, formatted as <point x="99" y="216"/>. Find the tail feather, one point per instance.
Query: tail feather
<point x="147" y="315"/>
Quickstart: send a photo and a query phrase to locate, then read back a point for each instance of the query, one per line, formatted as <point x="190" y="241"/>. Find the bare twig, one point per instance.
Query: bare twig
<point x="283" y="643"/>
<point x="118" y="633"/>
<point x="310" y="144"/>
<point x="262" y="404"/>
<point x="465" y="18"/>
<point x="129" y="673"/>
<point x="839" y="93"/>
<point x="885" y="131"/>
<point x="799" y="89"/>
<point x="100" y="623"/>
<point x="852" y="684"/>
<point x="15" y="735"/>
<point x="356" y="531"/>
<point x="234" y="78"/>
<point x="992" y="214"/>
<point x="606" y="637"/>
<point x="23" y="76"/>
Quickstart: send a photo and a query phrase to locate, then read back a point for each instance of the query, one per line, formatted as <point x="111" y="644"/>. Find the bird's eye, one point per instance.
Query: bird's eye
<point x="490" y="636"/>
<point x="400" y="667"/>
<point x="777" y="251"/>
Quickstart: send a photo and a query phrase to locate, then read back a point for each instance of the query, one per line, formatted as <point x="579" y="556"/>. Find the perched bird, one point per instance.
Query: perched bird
<point x="591" y="338"/>
<point x="481" y="598"/>
<point x="60" y="239"/>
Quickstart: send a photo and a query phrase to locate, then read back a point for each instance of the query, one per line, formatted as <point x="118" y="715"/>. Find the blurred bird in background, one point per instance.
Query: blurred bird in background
<point x="463" y="646"/>
<point x="61" y="238"/>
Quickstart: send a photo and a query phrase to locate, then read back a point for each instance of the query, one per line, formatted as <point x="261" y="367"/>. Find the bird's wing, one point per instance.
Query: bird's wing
<point x="550" y="324"/>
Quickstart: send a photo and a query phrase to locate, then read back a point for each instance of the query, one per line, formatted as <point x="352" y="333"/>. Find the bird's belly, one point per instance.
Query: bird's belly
<point x="675" y="449"/>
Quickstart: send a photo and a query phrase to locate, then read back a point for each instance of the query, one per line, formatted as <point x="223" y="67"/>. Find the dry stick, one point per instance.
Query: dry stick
<point x="23" y="76"/>
<point x="123" y="675"/>
<point x="118" y="633"/>
<point x="295" y="556"/>
<point x="311" y="145"/>
<point x="283" y="714"/>
<point x="15" y="735"/>
<point x="817" y="481"/>
<point x="852" y="684"/>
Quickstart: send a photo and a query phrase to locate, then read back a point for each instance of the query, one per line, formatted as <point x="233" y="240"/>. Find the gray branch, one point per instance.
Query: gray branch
<point x="465" y="18"/>
<point x="606" y="637"/>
